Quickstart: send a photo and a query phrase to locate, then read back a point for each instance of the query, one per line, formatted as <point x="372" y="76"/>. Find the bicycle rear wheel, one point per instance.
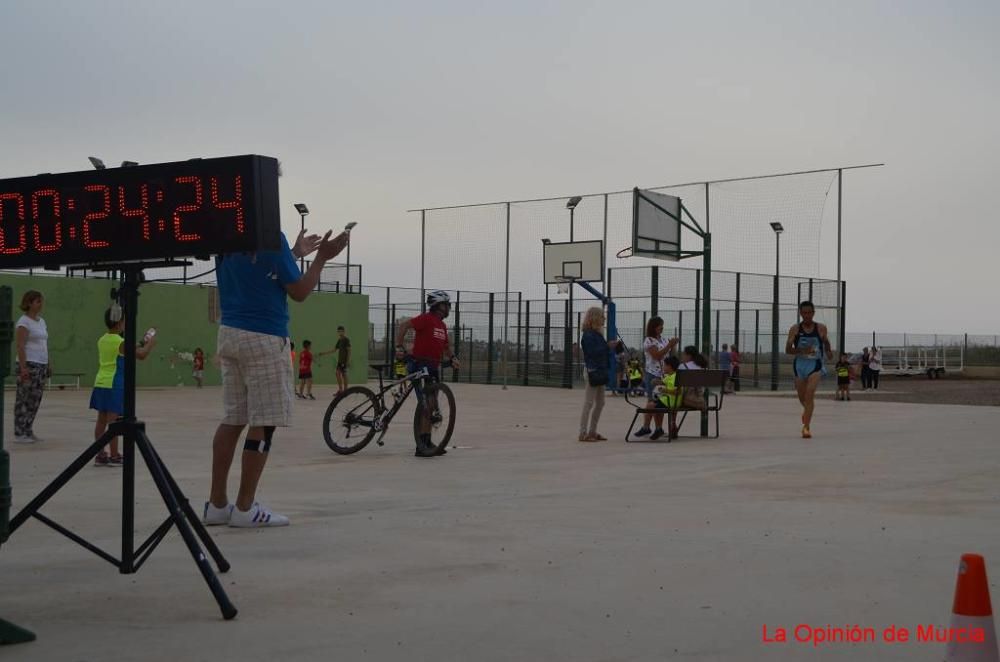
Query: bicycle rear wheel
<point x="442" y="415"/>
<point x="349" y="423"/>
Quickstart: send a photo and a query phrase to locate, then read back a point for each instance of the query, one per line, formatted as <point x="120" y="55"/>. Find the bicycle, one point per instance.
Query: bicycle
<point x="357" y="414"/>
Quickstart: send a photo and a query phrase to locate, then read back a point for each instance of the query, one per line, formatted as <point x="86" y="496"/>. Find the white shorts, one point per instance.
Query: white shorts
<point x="256" y="381"/>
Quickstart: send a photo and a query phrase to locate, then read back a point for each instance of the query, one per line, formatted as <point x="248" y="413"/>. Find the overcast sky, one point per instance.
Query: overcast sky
<point x="379" y="107"/>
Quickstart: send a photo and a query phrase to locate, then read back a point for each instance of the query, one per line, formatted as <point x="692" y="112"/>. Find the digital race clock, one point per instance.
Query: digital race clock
<point x="191" y="208"/>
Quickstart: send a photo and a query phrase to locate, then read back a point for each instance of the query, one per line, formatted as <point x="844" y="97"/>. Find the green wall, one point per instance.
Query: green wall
<point x="74" y="313"/>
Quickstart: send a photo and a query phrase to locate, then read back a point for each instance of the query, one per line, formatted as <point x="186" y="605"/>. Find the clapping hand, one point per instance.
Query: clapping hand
<point x="306" y="245"/>
<point x="331" y="248"/>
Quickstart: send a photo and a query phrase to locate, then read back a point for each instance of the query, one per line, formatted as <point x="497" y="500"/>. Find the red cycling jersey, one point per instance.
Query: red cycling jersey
<point x="431" y="338"/>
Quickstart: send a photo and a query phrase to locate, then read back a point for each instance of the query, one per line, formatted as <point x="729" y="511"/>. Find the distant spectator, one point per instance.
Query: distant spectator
<point x="734" y="373"/>
<point x="874" y="367"/>
<point x="597" y="360"/>
<point x="32" y="341"/>
<point x="843" y="378"/>
<point x="655" y="349"/>
<point x="866" y="378"/>
<point x="199" y="366"/>
<point x="691" y="359"/>
<point x="726" y="361"/>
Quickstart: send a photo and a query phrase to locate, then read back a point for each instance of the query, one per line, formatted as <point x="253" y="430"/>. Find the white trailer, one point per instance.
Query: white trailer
<point x="931" y="361"/>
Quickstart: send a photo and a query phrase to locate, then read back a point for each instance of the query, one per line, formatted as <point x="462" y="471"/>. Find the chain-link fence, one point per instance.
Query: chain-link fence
<point x="752" y="312"/>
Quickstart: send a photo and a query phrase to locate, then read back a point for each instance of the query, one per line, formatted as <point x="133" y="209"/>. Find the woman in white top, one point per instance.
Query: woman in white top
<point x="654" y="348"/>
<point x="874" y="366"/>
<point x="32" y="341"/>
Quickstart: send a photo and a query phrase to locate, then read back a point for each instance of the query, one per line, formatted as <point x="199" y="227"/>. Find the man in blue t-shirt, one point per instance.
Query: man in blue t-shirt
<point x="256" y="377"/>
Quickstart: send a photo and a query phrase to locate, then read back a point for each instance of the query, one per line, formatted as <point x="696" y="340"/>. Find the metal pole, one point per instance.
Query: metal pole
<point x="697" y="307"/>
<point x="654" y="289"/>
<point x="517" y="342"/>
<point x="840" y="207"/>
<point x="527" y="340"/>
<point x="756" y="348"/>
<point x="389" y="353"/>
<point x="843" y="319"/>
<point x="708" y="216"/>
<point x="736" y="327"/>
<point x="348" y="267"/>
<point x="489" y="343"/>
<point x="775" y="311"/>
<point x="706" y="331"/>
<point x="506" y="298"/>
<point x="458" y="336"/>
<point x="423" y="255"/>
<point x="567" y="380"/>
<point x="605" y="244"/>
<point x="302" y="227"/>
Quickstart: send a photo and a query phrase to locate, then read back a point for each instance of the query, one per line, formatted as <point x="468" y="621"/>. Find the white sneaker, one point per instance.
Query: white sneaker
<point x="257" y="516"/>
<point x="215" y="516"/>
<point x="18" y="439"/>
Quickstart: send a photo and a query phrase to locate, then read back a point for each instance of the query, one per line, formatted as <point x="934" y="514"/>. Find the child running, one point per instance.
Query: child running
<point x="108" y="396"/>
<point x="305" y="372"/>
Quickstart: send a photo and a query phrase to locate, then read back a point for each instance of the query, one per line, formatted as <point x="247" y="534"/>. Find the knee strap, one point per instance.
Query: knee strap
<point x="258" y="446"/>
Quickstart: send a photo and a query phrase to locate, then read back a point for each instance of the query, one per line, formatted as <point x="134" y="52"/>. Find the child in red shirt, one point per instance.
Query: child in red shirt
<point x="305" y="372"/>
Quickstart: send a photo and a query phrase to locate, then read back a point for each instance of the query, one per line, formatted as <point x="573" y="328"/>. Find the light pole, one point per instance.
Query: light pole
<point x="303" y="212"/>
<point x="348" y="231"/>
<point x="568" y="338"/>
<point x="778" y="229"/>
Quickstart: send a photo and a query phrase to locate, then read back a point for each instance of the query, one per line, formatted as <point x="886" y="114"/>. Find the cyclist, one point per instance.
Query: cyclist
<point x="430" y="343"/>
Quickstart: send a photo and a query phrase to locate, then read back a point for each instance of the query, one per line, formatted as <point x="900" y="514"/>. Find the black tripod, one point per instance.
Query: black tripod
<point x="133" y="433"/>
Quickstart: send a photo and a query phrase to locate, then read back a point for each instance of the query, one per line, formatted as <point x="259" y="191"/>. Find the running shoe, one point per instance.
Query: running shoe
<point x="213" y="516"/>
<point x="257" y="517"/>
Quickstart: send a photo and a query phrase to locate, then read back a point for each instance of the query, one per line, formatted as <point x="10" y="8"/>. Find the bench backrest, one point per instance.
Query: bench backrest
<point x="702" y="378"/>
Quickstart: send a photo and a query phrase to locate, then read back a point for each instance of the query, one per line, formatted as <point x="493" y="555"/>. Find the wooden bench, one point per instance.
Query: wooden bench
<point x="711" y="382"/>
<point x="73" y="380"/>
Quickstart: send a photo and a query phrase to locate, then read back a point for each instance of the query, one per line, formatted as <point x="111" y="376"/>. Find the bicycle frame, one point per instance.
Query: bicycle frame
<point x="387" y="414"/>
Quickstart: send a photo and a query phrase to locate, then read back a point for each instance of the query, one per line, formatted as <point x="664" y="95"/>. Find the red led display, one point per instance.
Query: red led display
<point x="169" y="210"/>
<point x="20" y="228"/>
<point x="95" y="216"/>
<point x="141" y="212"/>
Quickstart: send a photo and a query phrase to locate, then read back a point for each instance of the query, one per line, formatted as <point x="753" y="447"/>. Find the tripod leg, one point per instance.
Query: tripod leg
<point x="176" y="512"/>
<point x="67" y="475"/>
<point x="192" y="516"/>
<point x="12" y="634"/>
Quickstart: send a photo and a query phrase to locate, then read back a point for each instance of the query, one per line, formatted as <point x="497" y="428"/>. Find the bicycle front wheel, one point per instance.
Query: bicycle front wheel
<point x="349" y="423"/>
<point x="439" y="421"/>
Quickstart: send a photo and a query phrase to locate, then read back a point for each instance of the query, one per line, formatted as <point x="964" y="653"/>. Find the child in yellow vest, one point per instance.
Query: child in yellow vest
<point x="844" y="378"/>
<point x="667" y="396"/>
<point x="108" y="396"/>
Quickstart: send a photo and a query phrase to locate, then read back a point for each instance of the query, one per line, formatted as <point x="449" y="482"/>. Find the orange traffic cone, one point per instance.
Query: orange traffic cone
<point x="973" y="637"/>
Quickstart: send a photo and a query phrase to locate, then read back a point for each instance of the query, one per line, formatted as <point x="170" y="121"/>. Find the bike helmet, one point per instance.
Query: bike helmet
<point x="436" y="297"/>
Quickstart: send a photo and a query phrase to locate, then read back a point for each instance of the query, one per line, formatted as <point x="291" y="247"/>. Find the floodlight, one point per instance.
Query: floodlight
<point x="129" y="164"/>
<point x="301" y="208"/>
<point x="97" y="163"/>
<point x="777" y="227"/>
<point x="573" y="202"/>
<point x="546" y="241"/>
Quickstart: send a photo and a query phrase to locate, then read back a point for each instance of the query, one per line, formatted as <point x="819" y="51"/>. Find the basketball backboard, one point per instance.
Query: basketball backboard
<point x="573" y="261"/>
<point x="656" y="225"/>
